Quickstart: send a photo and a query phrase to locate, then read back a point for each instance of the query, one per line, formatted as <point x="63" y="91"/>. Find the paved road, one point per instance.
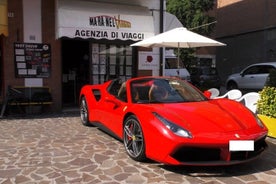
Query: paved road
<point x="58" y="149"/>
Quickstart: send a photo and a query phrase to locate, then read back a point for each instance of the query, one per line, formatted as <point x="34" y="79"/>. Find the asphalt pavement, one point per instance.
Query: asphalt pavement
<point x="59" y="149"/>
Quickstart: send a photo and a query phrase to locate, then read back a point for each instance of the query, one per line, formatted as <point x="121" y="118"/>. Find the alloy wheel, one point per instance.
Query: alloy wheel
<point x="133" y="139"/>
<point x="84" y="112"/>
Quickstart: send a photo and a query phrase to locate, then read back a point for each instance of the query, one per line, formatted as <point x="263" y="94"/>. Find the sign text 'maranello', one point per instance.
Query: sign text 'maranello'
<point x="108" y="21"/>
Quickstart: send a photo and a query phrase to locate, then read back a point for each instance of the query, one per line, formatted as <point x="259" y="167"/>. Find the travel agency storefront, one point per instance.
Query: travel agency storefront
<point x="95" y="41"/>
<point x="87" y="42"/>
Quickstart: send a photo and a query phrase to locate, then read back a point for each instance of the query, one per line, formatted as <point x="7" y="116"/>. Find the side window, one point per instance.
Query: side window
<point x="122" y="94"/>
<point x="114" y="87"/>
<point x="251" y="70"/>
<point x="266" y="69"/>
<point x="118" y="89"/>
<point x="271" y="68"/>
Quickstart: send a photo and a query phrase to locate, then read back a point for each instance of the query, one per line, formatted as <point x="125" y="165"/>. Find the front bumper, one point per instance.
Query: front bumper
<point x="220" y="155"/>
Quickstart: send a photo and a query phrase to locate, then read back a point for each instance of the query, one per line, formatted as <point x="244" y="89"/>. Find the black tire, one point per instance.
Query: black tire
<point x="84" y="112"/>
<point x="134" y="139"/>
<point x="232" y="85"/>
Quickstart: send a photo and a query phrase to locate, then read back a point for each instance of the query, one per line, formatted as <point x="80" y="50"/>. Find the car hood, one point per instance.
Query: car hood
<point x="220" y="115"/>
<point x="234" y="75"/>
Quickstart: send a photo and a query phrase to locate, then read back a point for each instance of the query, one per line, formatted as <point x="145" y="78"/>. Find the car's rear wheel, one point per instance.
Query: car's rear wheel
<point x="134" y="139"/>
<point x="84" y="112"/>
<point x="232" y="85"/>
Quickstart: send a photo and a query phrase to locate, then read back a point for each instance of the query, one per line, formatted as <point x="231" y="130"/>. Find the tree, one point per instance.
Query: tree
<point x="193" y="14"/>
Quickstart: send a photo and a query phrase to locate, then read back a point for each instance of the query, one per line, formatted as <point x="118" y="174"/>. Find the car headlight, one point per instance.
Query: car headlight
<point x="259" y="121"/>
<point x="177" y="130"/>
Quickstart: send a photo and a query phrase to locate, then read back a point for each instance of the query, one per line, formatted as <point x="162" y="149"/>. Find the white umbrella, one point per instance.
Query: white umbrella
<point x="178" y="38"/>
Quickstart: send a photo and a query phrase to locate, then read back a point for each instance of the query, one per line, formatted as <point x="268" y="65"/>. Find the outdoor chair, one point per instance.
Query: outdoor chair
<point x="214" y="92"/>
<point x="250" y="100"/>
<point x="233" y="94"/>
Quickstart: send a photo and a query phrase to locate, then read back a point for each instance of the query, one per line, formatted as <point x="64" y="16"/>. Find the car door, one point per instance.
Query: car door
<point x="112" y="108"/>
<point x="262" y="75"/>
<point x="247" y="79"/>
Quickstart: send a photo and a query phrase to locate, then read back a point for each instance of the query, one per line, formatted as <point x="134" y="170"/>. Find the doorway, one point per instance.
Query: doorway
<point x="75" y="70"/>
<point x="108" y="61"/>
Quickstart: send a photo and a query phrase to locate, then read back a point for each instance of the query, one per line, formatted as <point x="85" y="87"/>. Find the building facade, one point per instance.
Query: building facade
<point x="248" y="27"/>
<point x="64" y="44"/>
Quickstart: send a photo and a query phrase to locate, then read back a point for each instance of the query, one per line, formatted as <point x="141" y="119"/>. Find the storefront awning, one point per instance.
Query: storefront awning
<point x="3" y="18"/>
<point x="84" y="19"/>
<point x="171" y="22"/>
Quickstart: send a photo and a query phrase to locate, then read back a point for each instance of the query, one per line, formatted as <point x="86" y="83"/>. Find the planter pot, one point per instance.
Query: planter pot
<point x="270" y="123"/>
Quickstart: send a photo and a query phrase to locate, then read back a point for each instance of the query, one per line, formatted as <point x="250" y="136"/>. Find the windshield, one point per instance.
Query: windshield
<point x="163" y="90"/>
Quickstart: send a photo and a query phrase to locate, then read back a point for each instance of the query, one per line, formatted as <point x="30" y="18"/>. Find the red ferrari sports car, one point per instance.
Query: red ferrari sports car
<point x="170" y="121"/>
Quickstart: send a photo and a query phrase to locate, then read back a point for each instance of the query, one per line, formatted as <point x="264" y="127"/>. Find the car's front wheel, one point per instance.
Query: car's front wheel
<point x="134" y="139"/>
<point x="84" y="112"/>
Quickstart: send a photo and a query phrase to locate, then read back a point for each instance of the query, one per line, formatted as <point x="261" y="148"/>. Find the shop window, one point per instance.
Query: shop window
<point x="110" y="62"/>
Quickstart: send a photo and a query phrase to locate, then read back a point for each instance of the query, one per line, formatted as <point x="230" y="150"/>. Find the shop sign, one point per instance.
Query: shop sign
<point x="102" y="26"/>
<point x="32" y="60"/>
<point x="148" y="61"/>
<point x="110" y="35"/>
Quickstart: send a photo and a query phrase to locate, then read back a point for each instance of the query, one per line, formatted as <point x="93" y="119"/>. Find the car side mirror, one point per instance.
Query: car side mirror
<point x="207" y="94"/>
<point x="242" y="74"/>
<point x="114" y="101"/>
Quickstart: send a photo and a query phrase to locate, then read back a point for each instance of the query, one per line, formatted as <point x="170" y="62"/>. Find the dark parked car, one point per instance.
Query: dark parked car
<point x="205" y="77"/>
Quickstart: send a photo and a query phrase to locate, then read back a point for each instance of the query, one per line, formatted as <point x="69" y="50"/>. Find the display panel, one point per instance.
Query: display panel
<point x="32" y="60"/>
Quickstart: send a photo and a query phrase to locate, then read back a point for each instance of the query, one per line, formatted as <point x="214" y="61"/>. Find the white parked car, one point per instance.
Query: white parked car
<point x="253" y="77"/>
<point x="175" y="68"/>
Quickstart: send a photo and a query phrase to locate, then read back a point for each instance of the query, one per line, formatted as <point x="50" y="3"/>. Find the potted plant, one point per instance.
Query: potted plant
<point x="266" y="105"/>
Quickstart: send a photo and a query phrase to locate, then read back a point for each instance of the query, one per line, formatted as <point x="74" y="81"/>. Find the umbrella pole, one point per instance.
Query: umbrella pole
<point x="178" y="66"/>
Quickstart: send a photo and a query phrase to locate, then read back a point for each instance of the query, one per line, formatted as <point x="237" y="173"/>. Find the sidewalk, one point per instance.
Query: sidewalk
<point x="59" y="149"/>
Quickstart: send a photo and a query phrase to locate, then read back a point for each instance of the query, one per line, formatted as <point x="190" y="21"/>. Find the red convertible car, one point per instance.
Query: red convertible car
<point x="170" y="121"/>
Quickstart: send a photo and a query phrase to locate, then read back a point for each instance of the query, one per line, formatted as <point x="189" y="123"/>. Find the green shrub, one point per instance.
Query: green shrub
<point x="266" y="105"/>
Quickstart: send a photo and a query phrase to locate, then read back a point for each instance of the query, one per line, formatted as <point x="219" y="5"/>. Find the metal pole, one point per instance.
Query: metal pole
<point x="161" y="28"/>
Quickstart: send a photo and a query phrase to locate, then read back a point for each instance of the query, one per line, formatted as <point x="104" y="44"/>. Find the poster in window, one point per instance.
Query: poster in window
<point x="32" y="60"/>
<point x="102" y="59"/>
<point x="128" y="70"/>
<point x="102" y="49"/>
<point x="20" y="59"/>
<point x="121" y="70"/>
<point x="21" y="65"/>
<point x="95" y="69"/>
<point x="95" y="48"/>
<point x="112" y="69"/>
<point x="95" y="79"/>
<point x="122" y="60"/>
<point x="32" y="71"/>
<point x="95" y="58"/>
<point x="102" y="78"/>
<point x="112" y="60"/>
<point x="128" y="50"/>
<point x="112" y="49"/>
<point x="128" y="60"/>
<point x="102" y="69"/>
<point x="22" y="71"/>
<point x="19" y="52"/>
